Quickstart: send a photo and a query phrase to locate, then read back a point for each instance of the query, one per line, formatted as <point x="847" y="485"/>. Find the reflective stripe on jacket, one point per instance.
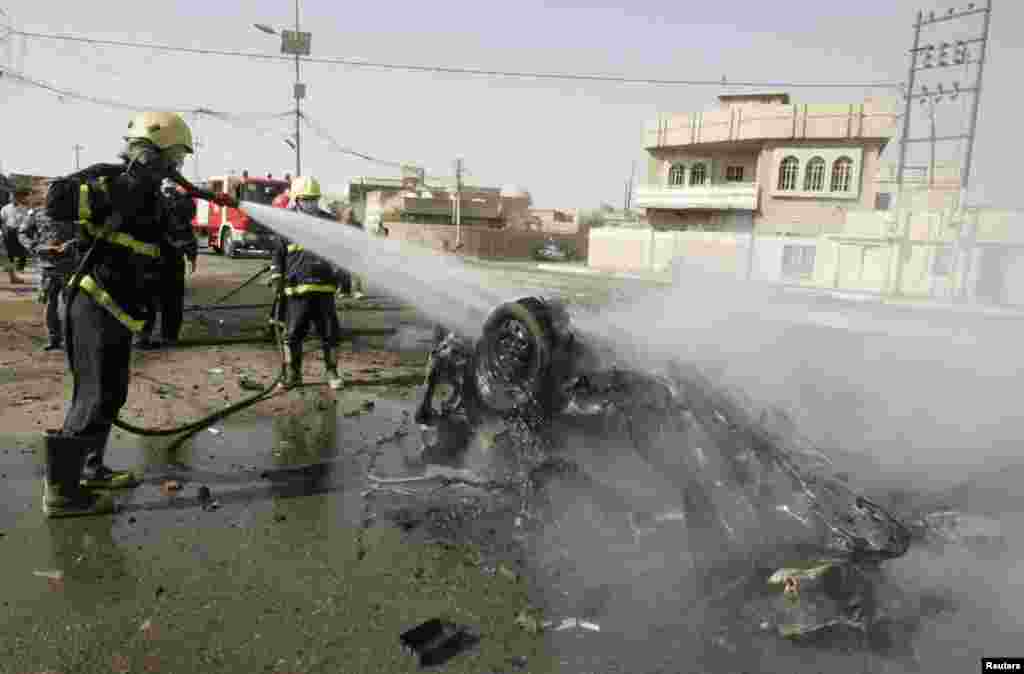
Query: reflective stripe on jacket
<point x="304" y="271"/>
<point x="122" y="239"/>
<point x="306" y="288"/>
<point x="103" y="298"/>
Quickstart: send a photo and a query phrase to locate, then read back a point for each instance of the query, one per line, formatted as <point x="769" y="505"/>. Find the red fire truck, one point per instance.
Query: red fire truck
<point x="229" y="231"/>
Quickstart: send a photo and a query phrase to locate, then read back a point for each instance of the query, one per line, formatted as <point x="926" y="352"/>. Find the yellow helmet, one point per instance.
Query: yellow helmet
<point x="163" y="129"/>
<point x="305" y="188"/>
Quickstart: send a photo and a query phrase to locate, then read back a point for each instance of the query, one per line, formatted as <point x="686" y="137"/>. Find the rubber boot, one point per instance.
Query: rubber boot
<point x="96" y="475"/>
<point x="63" y="496"/>
<point x="334" y="379"/>
<point x="293" y="367"/>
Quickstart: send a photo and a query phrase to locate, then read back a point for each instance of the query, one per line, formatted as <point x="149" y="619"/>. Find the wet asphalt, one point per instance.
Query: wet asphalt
<point x="291" y="565"/>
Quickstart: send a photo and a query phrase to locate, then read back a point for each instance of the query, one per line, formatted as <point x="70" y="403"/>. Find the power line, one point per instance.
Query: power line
<point x="359" y="63"/>
<point x="338" y="147"/>
<point x="108" y="102"/>
<point x="237" y="120"/>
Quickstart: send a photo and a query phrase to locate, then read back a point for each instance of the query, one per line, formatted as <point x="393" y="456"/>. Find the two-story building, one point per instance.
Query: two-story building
<point x="760" y="162"/>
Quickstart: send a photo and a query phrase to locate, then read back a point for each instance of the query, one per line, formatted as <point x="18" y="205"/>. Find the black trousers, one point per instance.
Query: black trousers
<point x="51" y="293"/>
<point x="172" y="302"/>
<point x="15" y="251"/>
<point x="318" y="309"/>
<point x="99" y="351"/>
<point x="166" y="297"/>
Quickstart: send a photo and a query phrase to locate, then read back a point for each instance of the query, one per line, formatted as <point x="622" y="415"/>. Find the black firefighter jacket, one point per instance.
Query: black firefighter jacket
<point x="303" y="271"/>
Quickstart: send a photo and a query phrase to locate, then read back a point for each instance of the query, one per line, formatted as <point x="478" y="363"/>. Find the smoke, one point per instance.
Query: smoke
<point x="932" y="393"/>
<point x="919" y="400"/>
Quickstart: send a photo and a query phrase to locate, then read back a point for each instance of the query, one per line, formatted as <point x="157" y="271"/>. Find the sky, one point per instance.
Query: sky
<point x="571" y="144"/>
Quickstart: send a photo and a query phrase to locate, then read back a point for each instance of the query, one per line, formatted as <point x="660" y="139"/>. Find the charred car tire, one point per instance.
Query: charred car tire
<point x="513" y="355"/>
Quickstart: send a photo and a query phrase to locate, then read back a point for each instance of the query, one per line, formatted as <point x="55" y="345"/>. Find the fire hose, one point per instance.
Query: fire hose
<point x="73" y="287"/>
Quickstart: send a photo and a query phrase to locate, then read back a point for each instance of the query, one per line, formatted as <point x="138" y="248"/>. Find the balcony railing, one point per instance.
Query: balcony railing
<point x="715" y="197"/>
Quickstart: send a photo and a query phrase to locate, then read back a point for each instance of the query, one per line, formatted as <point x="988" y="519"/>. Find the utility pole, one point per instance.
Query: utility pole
<point x="931" y="158"/>
<point x="196" y="144"/>
<point x="935" y="56"/>
<point x="911" y="76"/>
<point x="629" y="185"/>
<point x="458" y="202"/>
<point x="972" y="223"/>
<point x="76" y="147"/>
<point x="300" y="92"/>
<point x="297" y="43"/>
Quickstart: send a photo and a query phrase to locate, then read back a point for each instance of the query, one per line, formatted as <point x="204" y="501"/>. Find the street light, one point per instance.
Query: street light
<point x="297" y="43"/>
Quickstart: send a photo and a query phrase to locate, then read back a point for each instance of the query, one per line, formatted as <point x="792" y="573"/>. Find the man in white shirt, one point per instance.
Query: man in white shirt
<point x="11" y="217"/>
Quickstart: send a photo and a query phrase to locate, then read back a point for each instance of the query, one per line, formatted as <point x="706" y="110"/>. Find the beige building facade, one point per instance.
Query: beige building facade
<point x="762" y="163"/>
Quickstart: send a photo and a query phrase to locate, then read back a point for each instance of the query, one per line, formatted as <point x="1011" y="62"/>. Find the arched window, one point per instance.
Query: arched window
<point x="842" y="172"/>
<point x="677" y="175"/>
<point x="814" y="176"/>
<point x="788" y="170"/>
<point x="698" y="174"/>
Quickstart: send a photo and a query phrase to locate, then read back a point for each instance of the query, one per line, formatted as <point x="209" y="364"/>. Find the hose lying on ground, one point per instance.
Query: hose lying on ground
<point x="190" y="428"/>
<point x="249" y="280"/>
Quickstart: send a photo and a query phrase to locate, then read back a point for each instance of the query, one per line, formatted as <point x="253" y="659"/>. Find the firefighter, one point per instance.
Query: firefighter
<point x="168" y="278"/>
<point x="104" y="300"/>
<point x="308" y="284"/>
<point x="54" y="243"/>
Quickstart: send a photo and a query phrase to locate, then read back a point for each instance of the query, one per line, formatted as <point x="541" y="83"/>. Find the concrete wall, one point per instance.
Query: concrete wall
<point x="874" y="119"/>
<point x="910" y="254"/>
<point x="633" y="250"/>
<point x="484" y="242"/>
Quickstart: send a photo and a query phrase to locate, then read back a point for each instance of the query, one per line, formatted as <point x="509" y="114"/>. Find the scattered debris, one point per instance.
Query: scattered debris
<point x="369" y="405"/>
<point x="570" y="623"/>
<point x="206" y="500"/>
<point x="215" y="431"/>
<point x="51" y="575"/>
<point x="55" y="579"/>
<point x="531" y="620"/>
<point x="507" y="573"/>
<point x="250" y="385"/>
<point x="437" y="641"/>
<point x="519" y="661"/>
<point x="120" y="664"/>
<point x="170" y="486"/>
<point x="216" y="370"/>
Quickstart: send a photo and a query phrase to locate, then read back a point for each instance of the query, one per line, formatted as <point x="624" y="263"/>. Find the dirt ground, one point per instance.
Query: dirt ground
<point x="168" y="386"/>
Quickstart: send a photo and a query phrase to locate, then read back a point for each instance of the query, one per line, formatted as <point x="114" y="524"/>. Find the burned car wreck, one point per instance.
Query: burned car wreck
<point x="802" y="553"/>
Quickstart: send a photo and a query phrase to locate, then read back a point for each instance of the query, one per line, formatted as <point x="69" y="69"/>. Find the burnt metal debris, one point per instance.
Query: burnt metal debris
<point x="762" y="513"/>
<point x="437" y="640"/>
